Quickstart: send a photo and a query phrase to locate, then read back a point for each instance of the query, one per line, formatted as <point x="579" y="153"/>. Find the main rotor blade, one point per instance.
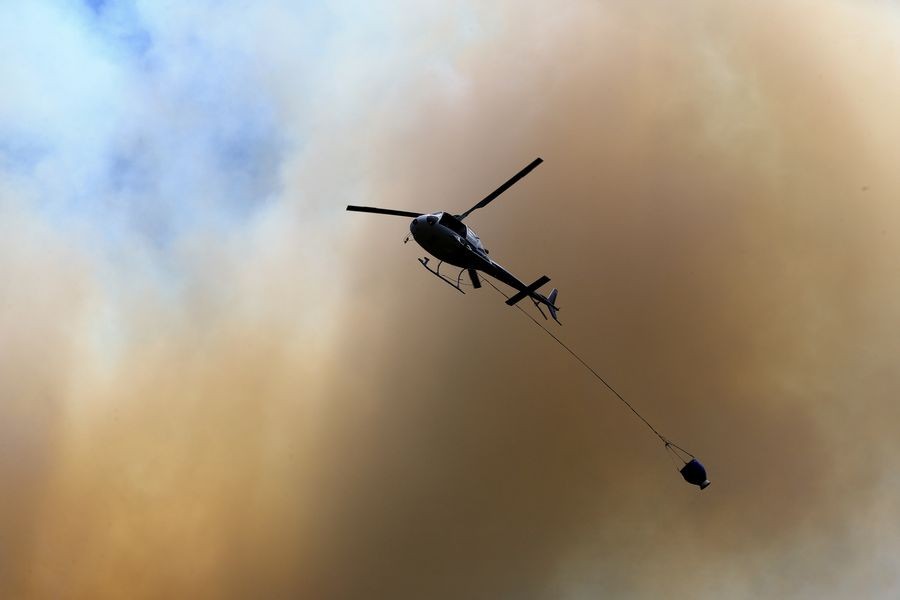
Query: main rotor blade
<point x="512" y="181"/>
<point x="384" y="211"/>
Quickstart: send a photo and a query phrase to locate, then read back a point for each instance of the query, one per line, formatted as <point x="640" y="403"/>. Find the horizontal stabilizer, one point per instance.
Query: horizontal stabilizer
<point x="528" y="291"/>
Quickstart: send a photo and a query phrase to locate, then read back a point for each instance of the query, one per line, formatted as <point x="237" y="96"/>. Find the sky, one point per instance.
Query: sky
<point x="216" y="383"/>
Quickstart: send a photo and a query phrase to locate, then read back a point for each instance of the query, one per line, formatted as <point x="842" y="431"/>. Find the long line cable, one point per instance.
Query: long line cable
<point x="669" y="444"/>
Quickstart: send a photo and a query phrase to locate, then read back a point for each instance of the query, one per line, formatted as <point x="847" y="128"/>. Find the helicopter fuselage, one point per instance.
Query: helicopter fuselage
<point x="448" y="239"/>
<point x="445" y="237"/>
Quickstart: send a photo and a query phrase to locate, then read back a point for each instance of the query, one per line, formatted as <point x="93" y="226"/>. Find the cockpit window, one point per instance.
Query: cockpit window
<point x="431" y="219"/>
<point x="453" y="224"/>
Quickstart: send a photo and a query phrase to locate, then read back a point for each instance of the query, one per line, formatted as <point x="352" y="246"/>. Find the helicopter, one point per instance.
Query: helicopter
<point x="447" y="238"/>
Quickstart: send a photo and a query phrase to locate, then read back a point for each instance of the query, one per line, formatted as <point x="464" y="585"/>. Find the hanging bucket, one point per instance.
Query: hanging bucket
<point x="694" y="473"/>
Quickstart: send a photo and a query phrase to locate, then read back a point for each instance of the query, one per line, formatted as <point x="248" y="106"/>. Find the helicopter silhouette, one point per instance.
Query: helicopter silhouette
<point x="447" y="238"/>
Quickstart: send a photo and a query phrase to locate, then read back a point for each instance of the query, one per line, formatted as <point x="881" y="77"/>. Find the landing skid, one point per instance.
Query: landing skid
<point x="444" y="278"/>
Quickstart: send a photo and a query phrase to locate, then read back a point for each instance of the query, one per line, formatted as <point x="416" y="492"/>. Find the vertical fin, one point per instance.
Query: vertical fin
<point x="551" y="303"/>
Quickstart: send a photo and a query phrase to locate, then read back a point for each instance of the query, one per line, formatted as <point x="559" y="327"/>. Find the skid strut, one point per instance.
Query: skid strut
<point x="437" y="272"/>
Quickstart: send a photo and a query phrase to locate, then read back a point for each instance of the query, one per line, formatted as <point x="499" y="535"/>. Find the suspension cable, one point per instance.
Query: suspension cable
<point x="584" y="363"/>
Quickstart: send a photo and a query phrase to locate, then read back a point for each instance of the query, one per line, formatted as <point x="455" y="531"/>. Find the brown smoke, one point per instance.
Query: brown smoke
<point x="717" y="209"/>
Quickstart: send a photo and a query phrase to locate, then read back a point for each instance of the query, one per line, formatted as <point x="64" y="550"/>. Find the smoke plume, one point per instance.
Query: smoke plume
<point x="214" y="382"/>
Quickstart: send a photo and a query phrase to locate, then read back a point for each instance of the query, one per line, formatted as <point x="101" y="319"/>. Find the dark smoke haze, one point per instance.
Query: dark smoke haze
<point x="718" y="206"/>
